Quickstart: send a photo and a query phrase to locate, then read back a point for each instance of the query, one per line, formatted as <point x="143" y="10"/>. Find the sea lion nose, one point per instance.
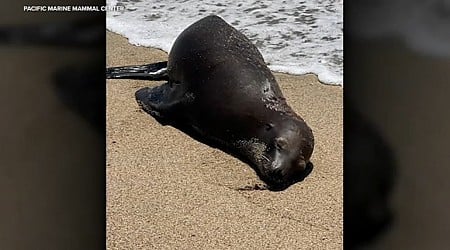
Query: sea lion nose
<point x="303" y="170"/>
<point x="307" y="169"/>
<point x="301" y="165"/>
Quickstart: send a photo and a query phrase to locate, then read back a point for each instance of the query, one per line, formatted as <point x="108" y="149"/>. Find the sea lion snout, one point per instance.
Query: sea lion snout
<point x="290" y="154"/>
<point x="287" y="174"/>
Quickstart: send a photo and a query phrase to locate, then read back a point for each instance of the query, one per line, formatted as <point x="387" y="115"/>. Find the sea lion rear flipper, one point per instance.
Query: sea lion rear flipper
<point x="154" y="71"/>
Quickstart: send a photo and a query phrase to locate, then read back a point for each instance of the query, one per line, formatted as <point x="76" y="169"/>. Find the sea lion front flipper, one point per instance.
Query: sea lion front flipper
<point x="160" y="101"/>
<point x="154" y="72"/>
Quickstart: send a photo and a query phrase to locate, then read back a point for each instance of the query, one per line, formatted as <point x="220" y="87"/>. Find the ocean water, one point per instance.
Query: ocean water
<point x="295" y="37"/>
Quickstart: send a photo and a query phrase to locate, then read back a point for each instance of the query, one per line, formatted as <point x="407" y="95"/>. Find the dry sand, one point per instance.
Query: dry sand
<point x="168" y="191"/>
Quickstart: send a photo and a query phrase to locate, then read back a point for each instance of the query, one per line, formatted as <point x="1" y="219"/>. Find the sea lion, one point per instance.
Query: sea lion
<point x="220" y="92"/>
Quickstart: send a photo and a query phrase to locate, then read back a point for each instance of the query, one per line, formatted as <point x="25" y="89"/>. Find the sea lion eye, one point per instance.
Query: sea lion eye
<point x="280" y="143"/>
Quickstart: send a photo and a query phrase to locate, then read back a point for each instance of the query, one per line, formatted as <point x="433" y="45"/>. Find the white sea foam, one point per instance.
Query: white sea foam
<point x="294" y="37"/>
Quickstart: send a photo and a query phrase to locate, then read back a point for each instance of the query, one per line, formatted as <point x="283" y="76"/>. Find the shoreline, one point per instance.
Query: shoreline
<point x="275" y="72"/>
<point x="166" y="190"/>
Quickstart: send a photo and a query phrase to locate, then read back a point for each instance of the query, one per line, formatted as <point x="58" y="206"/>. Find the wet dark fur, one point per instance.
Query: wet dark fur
<point x="220" y="92"/>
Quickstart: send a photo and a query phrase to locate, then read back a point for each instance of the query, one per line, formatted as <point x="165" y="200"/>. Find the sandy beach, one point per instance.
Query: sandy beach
<point x="168" y="191"/>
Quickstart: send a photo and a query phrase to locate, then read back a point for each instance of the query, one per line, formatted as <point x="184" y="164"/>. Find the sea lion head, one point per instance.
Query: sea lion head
<point x="288" y="153"/>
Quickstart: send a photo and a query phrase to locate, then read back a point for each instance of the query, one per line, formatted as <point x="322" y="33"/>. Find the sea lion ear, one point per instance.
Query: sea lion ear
<point x="281" y="142"/>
